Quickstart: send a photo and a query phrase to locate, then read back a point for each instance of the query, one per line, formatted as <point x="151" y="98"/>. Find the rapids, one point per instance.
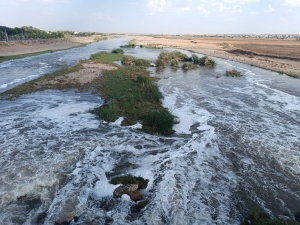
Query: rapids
<point x="237" y="147"/>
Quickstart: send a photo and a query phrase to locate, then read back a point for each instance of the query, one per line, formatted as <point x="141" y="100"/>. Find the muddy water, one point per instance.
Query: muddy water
<point x="237" y="146"/>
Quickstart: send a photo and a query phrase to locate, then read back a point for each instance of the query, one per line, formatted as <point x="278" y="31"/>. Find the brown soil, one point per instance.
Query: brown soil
<point x="84" y="76"/>
<point x="31" y="46"/>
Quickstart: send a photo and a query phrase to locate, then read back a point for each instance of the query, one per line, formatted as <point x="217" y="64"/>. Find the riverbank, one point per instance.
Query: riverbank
<point x="21" y="49"/>
<point x="282" y="56"/>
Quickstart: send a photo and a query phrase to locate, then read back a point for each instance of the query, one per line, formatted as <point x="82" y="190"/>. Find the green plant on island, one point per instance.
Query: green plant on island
<point x="141" y="205"/>
<point x="106" y="57"/>
<point x="233" y="73"/>
<point x="160" y="64"/>
<point x="131" y="61"/>
<point x="129" y="179"/>
<point x="262" y="218"/>
<point x="206" y="61"/>
<point x="174" y="63"/>
<point x="189" y="66"/>
<point x="117" y="51"/>
<point x="130" y="44"/>
<point x="167" y="57"/>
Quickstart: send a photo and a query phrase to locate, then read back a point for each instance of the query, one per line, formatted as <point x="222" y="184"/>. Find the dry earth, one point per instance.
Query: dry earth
<point x="31" y="46"/>
<point x="84" y="76"/>
<point x="276" y="55"/>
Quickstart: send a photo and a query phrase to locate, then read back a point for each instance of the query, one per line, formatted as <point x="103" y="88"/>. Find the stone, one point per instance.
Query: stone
<point x="119" y="191"/>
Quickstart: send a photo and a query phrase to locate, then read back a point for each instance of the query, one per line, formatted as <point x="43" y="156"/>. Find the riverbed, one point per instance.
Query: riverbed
<point x="236" y="147"/>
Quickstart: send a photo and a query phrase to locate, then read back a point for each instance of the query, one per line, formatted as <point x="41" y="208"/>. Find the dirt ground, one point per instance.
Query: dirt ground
<point x="31" y="46"/>
<point x="84" y="76"/>
<point x="277" y="55"/>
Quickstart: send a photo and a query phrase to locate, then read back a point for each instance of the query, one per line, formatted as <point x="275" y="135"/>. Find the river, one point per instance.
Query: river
<point x="237" y="147"/>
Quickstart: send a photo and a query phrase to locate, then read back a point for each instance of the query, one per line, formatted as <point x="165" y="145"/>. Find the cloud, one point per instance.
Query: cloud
<point x="292" y="2"/>
<point x="222" y="7"/>
<point x="158" y="5"/>
<point x="270" y="9"/>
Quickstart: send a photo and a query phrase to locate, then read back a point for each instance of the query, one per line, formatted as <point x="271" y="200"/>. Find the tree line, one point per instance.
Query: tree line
<point x="29" y="32"/>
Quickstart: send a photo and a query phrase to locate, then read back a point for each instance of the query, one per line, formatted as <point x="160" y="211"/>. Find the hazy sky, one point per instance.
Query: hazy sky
<point x="155" y="16"/>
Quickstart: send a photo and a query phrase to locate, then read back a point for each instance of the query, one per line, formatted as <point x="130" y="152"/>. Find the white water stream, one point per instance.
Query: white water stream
<point x="237" y="146"/>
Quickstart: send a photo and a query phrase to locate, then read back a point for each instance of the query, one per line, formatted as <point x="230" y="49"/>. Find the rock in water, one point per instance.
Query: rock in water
<point x="119" y="191"/>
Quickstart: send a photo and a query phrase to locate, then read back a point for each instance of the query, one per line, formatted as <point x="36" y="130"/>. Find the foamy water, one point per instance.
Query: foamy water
<point x="236" y="147"/>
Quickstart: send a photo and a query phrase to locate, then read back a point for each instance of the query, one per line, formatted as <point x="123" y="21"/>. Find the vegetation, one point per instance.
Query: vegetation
<point x="263" y="218"/>
<point x="233" y="73"/>
<point x="189" y="66"/>
<point x="142" y="204"/>
<point x="131" y="61"/>
<point x="130" y="44"/>
<point x="106" y="57"/>
<point x="174" y="63"/>
<point x="167" y="57"/>
<point x="136" y="96"/>
<point x="129" y="179"/>
<point x="117" y="51"/>
<point x="206" y="61"/>
<point x="25" y="32"/>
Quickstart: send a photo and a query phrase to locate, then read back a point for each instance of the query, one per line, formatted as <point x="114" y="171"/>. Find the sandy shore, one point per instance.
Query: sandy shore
<point x="31" y="46"/>
<point x="260" y="53"/>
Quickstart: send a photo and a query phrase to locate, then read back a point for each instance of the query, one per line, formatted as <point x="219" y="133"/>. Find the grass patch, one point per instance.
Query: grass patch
<point x="106" y="57"/>
<point x="174" y="63"/>
<point x="117" y="51"/>
<point x="129" y="179"/>
<point x="262" y="218"/>
<point x="137" y="97"/>
<point x="206" y="61"/>
<point x="167" y="57"/>
<point x="233" y="73"/>
<point x="131" y="61"/>
<point x="130" y="44"/>
<point x="189" y="66"/>
<point x="141" y="205"/>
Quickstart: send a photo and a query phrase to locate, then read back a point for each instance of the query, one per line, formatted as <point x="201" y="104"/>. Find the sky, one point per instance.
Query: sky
<point x="155" y="16"/>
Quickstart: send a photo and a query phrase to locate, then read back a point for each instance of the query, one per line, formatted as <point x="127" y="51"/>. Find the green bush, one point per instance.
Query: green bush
<point x="233" y="73"/>
<point x="117" y="51"/>
<point x="189" y="66"/>
<point x="159" y="121"/>
<point x="160" y="64"/>
<point x="174" y="63"/>
<point x="141" y="62"/>
<point x="127" y="60"/>
<point x="129" y="179"/>
<point x="107" y="112"/>
<point x="195" y="59"/>
<point x="206" y="61"/>
<point x="142" y="204"/>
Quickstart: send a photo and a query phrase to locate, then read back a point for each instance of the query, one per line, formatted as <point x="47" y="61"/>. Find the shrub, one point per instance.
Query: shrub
<point x="117" y="51"/>
<point x="189" y="66"/>
<point x="160" y="64"/>
<point x="127" y="60"/>
<point x="174" y="63"/>
<point x="233" y="73"/>
<point x="141" y="62"/>
<point x="206" y="61"/>
<point x="142" y="204"/>
<point x="195" y="59"/>
<point x="159" y="121"/>
<point x="107" y="112"/>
